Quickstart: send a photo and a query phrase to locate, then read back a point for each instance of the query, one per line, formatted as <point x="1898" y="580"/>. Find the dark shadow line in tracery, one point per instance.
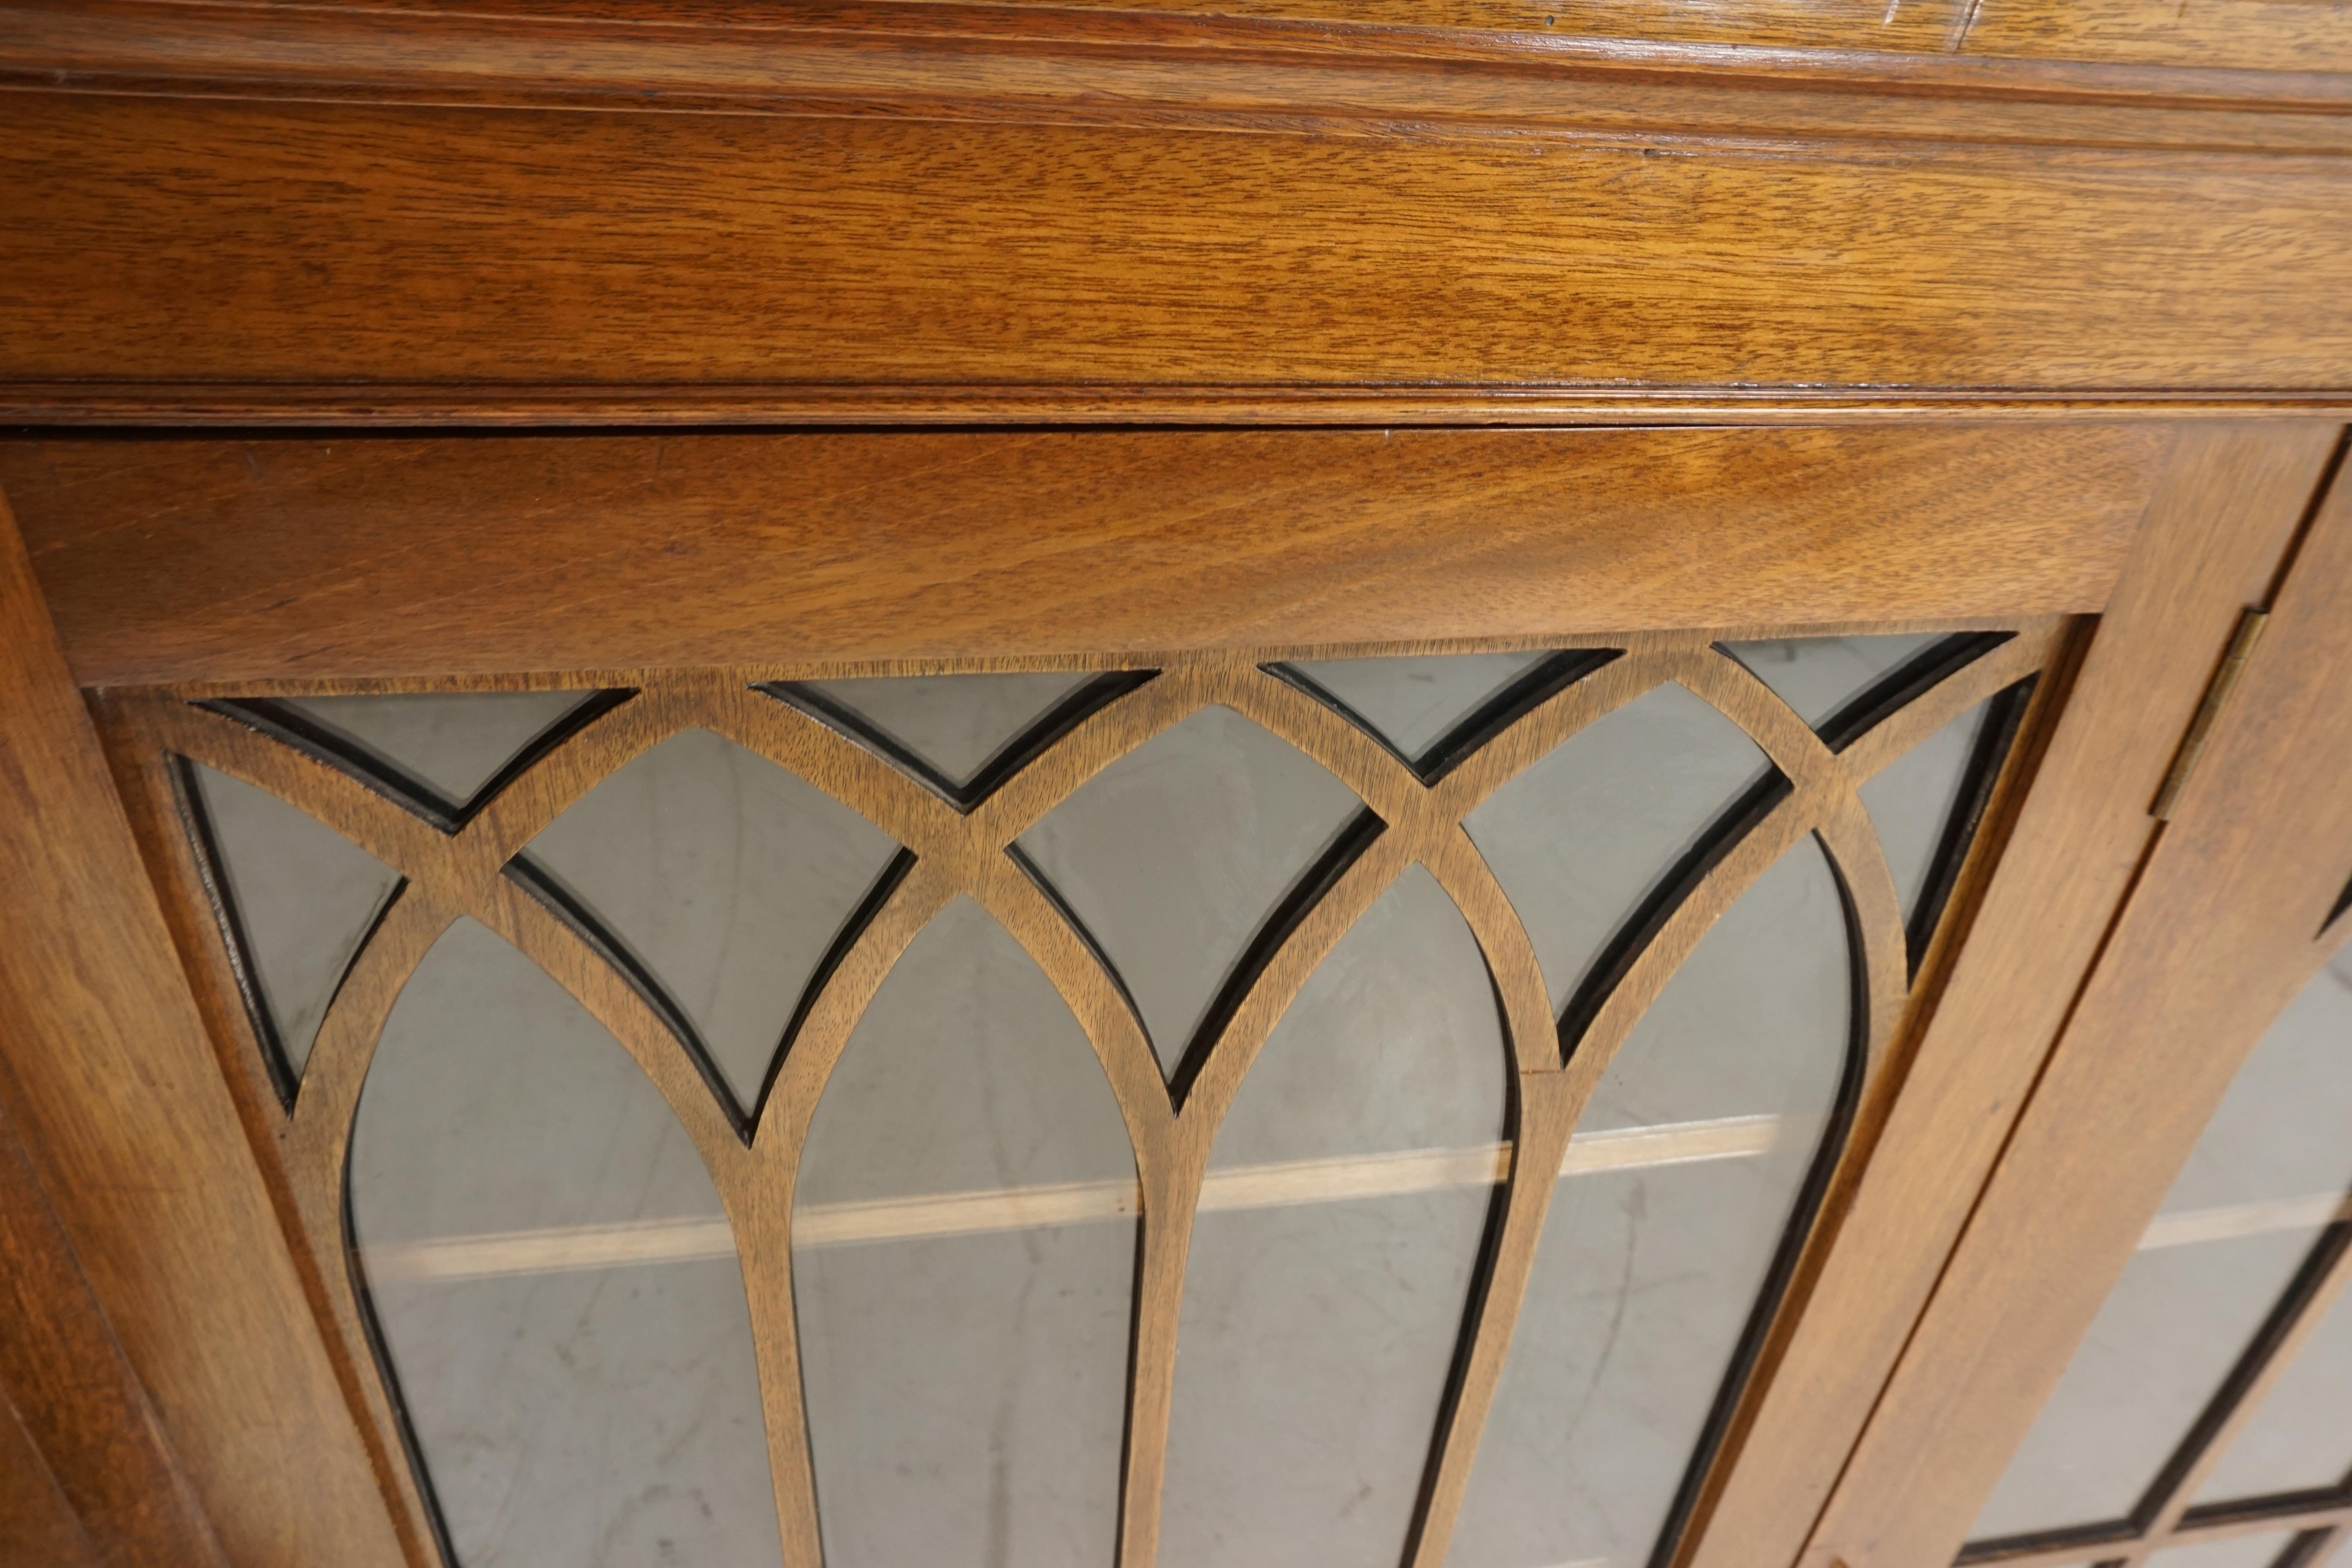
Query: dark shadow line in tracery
<point x="212" y="873"/>
<point x="1491" y="718"/>
<point x="581" y="920"/>
<point x="1802" y="1214"/>
<point x="1040" y="737"/>
<point x="322" y="743"/>
<point x="1995" y="741"/>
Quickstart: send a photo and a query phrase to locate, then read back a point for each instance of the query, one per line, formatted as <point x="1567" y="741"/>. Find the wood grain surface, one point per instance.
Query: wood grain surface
<point x="2224" y="512"/>
<point x="1180" y="56"/>
<point x="37" y="1524"/>
<point x="195" y="242"/>
<point x="110" y="1078"/>
<point x="1914" y="24"/>
<point x="88" y="1434"/>
<point x="2267" y="35"/>
<point x="2219" y="934"/>
<point x="219" y="41"/>
<point x="174" y="560"/>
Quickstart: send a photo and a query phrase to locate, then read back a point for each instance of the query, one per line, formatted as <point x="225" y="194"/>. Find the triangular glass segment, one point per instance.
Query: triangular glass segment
<point x="1413" y="703"/>
<point x="1174" y="856"/>
<point x="298" y="900"/>
<point x="1588" y="834"/>
<point x="721" y="881"/>
<point x="1927" y="804"/>
<point x="948" y="729"/>
<point x="1818" y="676"/>
<point x="439" y="753"/>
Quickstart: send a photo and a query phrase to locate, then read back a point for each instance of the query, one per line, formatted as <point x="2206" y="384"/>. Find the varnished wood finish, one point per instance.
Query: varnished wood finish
<point x="36" y="1522"/>
<point x="2226" y="506"/>
<point x="439" y="405"/>
<point x="108" y="1075"/>
<point x="110" y="42"/>
<point x="958" y="853"/>
<point x="184" y="243"/>
<point x="1978" y="259"/>
<point x="2220" y="934"/>
<point x="2267" y="35"/>
<point x="174" y="561"/>
<point x="86" y="1432"/>
<point x="1183" y="58"/>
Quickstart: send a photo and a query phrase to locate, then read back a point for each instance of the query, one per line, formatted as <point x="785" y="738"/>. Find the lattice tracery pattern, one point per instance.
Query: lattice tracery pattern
<point x="958" y="826"/>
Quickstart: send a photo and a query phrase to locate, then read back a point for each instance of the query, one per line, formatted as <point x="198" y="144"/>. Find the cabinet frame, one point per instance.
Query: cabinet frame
<point x="2161" y="532"/>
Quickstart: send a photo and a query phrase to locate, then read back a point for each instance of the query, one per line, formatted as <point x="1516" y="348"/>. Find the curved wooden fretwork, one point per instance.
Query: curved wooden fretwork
<point x="961" y="848"/>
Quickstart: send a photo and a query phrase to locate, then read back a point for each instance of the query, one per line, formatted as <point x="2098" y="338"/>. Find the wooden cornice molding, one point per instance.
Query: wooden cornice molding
<point x="894" y="211"/>
<point x="425" y="406"/>
<point x="916" y="58"/>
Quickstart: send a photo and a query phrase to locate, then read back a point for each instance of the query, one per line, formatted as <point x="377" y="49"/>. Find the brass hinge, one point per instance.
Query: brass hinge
<point x="2201" y="728"/>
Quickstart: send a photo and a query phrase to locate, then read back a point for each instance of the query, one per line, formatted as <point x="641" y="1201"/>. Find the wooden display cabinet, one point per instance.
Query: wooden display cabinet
<point x="702" y="357"/>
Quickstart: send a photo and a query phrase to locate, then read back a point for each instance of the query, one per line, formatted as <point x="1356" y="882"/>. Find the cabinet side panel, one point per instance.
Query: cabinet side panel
<point x="116" y="1092"/>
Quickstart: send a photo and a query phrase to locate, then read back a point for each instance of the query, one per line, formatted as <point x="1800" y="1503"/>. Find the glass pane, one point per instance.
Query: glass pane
<point x="2301" y="1437"/>
<point x="1581" y="838"/>
<point x="726" y="877"/>
<point x="1818" y="676"/>
<point x="1320" y="1318"/>
<point x="2237" y="1552"/>
<point x="955" y="723"/>
<point x="452" y="742"/>
<point x="1173" y="857"/>
<point x="965" y="1364"/>
<point x="567" y="1410"/>
<point x="1413" y="703"/>
<point x="303" y="896"/>
<point x="1914" y="797"/>
<point x="2168" y="1335"/>
<point x="2269" y="1172"/>
<point x="1646" y="1276"/>
<point x="2279" y="1132"/>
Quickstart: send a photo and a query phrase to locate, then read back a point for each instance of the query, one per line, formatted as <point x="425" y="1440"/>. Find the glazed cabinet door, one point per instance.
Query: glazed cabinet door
<point x="1066" y="998"/>
<point x="2140" y="1352"/>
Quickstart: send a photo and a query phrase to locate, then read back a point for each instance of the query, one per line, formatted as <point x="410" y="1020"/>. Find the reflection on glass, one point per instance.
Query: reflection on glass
<point x="2269" y="1171"/>
<point x="965" y="1380"/>
<point x="1913" y="796"/>
<point x="303" y="896"/>
<point x="1581" y="838"/>
<point x="1317" y="1336"/>
<point x="726" y="877"/>
<point x="2235" y="1552"/>
<point x="453" y="742"/>
<point x="1411" y="703"/>
<point x="1174" y="854"/>
<point x="597" y="1414"/>
<point x="955" y="723"/>
<point x="1644" y="1279"/>
<point x="1818" y="676"/>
